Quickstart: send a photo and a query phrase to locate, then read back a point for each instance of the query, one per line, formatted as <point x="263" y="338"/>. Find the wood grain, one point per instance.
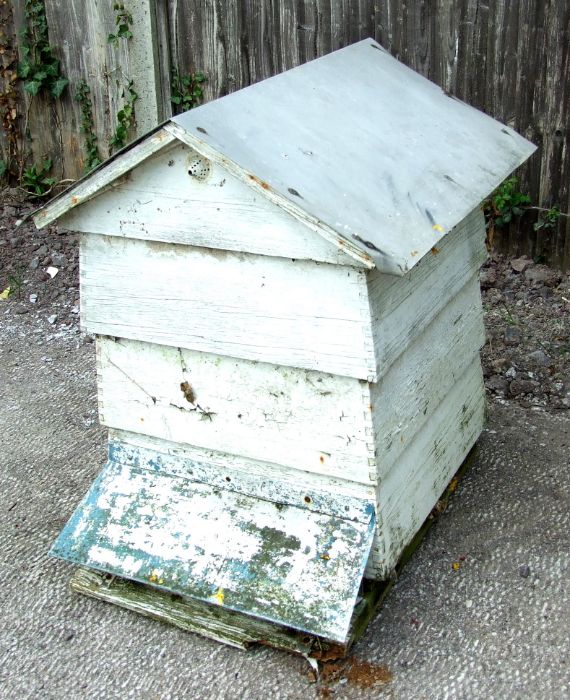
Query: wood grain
<point x="297" y="418"/>
<point x="160" y="201"/>
<point x="295" y="313"/>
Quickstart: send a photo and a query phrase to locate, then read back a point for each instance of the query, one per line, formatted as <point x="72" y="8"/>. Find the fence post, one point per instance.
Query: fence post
<point x="145" y="65"/>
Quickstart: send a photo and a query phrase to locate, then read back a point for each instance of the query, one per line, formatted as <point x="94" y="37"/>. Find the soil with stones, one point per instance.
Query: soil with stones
<point x="526" y="358"/>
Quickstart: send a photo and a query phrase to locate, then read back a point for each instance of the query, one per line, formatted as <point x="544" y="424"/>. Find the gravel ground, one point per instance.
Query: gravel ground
<point x="481" y="611"/>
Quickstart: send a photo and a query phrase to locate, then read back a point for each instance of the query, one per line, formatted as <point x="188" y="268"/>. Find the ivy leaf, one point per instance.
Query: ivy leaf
<point x="58" y="86"/>
<point x="32" y="87"/>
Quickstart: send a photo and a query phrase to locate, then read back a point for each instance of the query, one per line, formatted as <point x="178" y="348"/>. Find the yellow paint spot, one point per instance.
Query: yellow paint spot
<point x="5" y="294"/>
<point x="437" y="227"/>
<point x="219" y="596"/>
<point x="325" y="557"/>
<point x="154" y="577"/>
<point x="414" y="253"/>
<point x="455" y="566"/>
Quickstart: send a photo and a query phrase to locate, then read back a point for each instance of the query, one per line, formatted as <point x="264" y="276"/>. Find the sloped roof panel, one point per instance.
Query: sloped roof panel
<point x="366" y="146"/>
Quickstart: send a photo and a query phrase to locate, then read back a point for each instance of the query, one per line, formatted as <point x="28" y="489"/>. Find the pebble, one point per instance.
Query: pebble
<point x="33" y="298"/>
<point x="511" y="373"/>
<point x="34" y="263"/>
<point x="497" y="383"/>
<point x="21" y="310"/>
<point x="42" y="251"/>
<point x="52" y="319"/>
<point x="521" y="264"/>
<point x="524" y="570"/>
<point x="58" y="259"/>
<point x="522" y="386"/>
<point x="513" y="335"/>
<point x="539" y="357"/>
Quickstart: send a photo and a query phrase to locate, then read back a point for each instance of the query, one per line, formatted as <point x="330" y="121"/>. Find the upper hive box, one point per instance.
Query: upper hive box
<point x="283" y="284"/>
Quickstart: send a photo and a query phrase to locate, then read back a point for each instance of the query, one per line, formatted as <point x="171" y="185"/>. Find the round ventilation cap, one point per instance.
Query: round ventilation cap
<point x="199" y="167"/>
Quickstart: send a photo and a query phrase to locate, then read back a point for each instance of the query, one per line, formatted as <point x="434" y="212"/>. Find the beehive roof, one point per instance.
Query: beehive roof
<point x="372" y="155"/>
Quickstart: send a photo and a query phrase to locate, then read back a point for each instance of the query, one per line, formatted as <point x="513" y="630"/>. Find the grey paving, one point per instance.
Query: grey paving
<point x="482" y="631"/>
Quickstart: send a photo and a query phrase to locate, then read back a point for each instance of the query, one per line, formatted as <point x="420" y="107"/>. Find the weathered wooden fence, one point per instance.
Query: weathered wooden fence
<point x="510" y="58"/>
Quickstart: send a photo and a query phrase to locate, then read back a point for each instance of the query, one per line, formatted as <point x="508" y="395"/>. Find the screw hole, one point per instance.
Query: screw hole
<point x="228" y="479"/>
<point x="308" y="499"/>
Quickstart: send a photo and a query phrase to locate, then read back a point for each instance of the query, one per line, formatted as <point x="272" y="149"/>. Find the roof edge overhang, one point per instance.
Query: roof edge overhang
<point x="104" y="175"/>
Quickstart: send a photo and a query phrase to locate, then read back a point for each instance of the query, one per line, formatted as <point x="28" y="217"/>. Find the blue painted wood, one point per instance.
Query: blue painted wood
<point x="278" y="562"/>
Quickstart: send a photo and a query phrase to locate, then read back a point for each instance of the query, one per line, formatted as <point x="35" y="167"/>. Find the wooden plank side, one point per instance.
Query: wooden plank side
<point x="161" y="201"/>
<point x="414" y="386"/>
<point x="295" y="313"/>
<point x="292" y="417"/>
<point x="402" y="308"/>
<point x="416" y="481"/>
<point x="262" y="479"/>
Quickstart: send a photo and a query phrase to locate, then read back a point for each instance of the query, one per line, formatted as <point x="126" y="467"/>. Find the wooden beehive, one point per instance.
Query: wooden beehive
<point x="284" y="288"/>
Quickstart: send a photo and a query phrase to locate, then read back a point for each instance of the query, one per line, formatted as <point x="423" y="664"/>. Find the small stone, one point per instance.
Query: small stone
<point x="488" y="278"/>
<point x="52" y="271"/>
<point x="513" y="335"/>
<point x="75" y="309"/>
<point x="498" y="383"/>
<point x="58" y="259"/>
<point x="9" y="210"/>
<point x="524" y="570"/>
<point x="34" y="263"/>
<point x="539" y="275"/>
<point x="539" y="357"/>
<point x="521" y="264"/>
<point x="468" y="603"/>
<point x="21" y="310"/>
<point x="52" y="319"/>
<point x="16" y="240"/>
<point x="42" y="251"/>
<point x="46" y="261"/>
<point x="522" y="386"/>
<point x="33" y="298"/>
<point x="511" y="373"/>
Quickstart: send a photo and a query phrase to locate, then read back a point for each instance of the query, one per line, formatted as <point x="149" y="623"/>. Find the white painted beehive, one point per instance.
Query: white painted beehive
<point x="284" y="288"/>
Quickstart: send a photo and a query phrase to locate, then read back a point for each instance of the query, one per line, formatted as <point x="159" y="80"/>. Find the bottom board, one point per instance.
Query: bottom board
<point x="281" y="563"/>
<point x="242" y="631"/>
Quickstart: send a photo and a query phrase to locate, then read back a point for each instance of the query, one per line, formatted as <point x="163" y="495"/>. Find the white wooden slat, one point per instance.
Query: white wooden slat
<point x="292" y="417"/>
<point x="300" y="314"/>
<point x="402" y="308"/>
<point x="161" y="201"/>
<point x="96" y="183"/>
<point x="257" y="478"/>
<point x="414" y="386"/>
<point x="412" y="487"/>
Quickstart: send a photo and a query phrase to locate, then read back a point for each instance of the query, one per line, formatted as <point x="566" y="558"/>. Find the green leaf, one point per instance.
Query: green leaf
<point x="32" y="87"/>
<point x="59" y="86"/>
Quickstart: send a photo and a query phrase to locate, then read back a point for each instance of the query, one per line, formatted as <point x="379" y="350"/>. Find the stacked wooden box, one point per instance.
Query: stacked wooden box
<point x="288" y="322"/>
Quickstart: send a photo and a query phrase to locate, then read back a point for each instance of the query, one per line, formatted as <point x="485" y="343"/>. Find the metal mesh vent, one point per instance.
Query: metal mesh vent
<point x="199" y="167"/>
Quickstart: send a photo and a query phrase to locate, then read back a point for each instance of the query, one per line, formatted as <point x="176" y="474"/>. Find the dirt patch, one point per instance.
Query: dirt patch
<point x="353" y="671"/>
<point x="526" y="358"/>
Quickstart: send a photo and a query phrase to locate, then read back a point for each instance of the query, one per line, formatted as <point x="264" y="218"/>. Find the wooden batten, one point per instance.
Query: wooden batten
<point x="296" y="418"/>
<point x="401" y="309"/>
<point x="419" y="380"/>
<point x="161" y="201"/>
<point x="294" y="313"/>
<point x="411" y="488"/>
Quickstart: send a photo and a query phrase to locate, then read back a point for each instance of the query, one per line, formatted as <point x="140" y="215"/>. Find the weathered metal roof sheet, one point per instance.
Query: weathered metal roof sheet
<point x="365" y="147"/>
<point x="279" y="562"/>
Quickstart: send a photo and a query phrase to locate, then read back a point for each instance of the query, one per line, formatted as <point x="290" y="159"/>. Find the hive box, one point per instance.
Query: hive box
<point x="284" y="288"/>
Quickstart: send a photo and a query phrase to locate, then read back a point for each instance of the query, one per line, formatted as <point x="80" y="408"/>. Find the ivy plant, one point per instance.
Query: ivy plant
<point x="505" y="203"/>
<point x="39" y="68"/>
<point x="36" y="181"/>
<point x="186" y="90"/>
<point x="123" y="22"/>
<point x="92" y="155"/>
<point x="125" y="117"/>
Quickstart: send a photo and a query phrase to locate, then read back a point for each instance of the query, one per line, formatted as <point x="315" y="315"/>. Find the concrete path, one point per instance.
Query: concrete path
<point x="481" y="631"/>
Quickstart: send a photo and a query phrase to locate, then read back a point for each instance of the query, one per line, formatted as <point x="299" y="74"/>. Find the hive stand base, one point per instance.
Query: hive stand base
<point x="240" y="630"/>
